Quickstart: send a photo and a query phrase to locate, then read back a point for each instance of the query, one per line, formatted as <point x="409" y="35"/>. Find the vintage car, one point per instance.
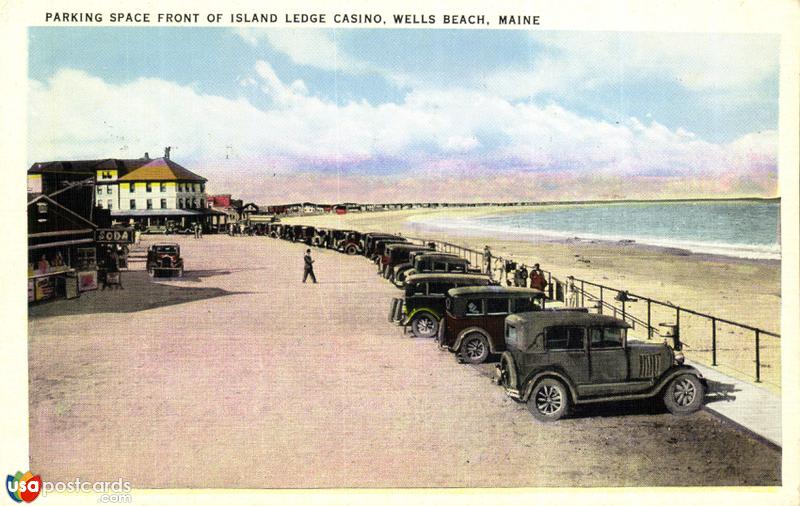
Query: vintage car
<point x="347" y="241"/>
<point x="323" y="238"/>
<point x="555" y="360"/>
<point x="164" y="258"/>
<point x="474" y="319"/>
<point x="301" y="233"/>
<point x="396" y="254"/>
<point x="423" y="261"/>
<point x="381" y="245"/>
<point x="371" y="239"/>
<point x="422" y="306"/>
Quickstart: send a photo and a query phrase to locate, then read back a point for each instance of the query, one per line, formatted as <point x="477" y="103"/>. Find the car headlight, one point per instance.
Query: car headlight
<point x="680" y="358"/>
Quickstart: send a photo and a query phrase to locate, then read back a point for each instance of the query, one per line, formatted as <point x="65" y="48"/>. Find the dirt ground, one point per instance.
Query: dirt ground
<point x="238" y="375"/>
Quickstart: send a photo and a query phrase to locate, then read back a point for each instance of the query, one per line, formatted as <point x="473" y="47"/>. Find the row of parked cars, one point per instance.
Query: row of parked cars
<point x="550" y="357"/>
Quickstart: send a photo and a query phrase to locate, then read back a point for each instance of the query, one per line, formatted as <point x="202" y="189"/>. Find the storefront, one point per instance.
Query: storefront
<point x="61" y="251"/>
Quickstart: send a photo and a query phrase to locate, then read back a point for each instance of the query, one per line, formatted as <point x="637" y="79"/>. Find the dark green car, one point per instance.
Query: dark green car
<point x="422" y="307"/>
<point x="557" y="359"/>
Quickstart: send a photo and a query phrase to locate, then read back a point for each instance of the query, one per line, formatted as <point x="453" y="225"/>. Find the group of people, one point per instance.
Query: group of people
<point x="518" y="276"/>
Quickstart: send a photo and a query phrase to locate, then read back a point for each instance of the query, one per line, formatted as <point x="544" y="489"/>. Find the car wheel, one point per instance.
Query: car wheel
<point x="180" y="272"/>
<point x="424" y="325"/>
<point x="549" y="400"/>
<point x="151" y="272"/>
<point x="474" y="348"/>
<point x="351" y="250"/>
<point x="684" y="395"/>
<point x="399" y="280"/>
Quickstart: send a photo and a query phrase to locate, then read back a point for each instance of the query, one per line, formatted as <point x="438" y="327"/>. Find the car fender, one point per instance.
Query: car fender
<point x="675" y="371"/>
<point x="556" y="373"/>
<point x="469" y="330"/>
<point x="512" y="369"/>
<point x="419" y="310"/>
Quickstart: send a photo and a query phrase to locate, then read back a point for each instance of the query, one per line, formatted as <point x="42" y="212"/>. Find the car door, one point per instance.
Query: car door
<point x="495" y="321"/>
<point x="565" y="348"/>
<point x="608" y="357"/>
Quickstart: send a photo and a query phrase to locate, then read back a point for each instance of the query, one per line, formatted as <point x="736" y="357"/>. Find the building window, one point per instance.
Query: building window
<point x="180" y="203"/>
<point x="180" y="187"/>
<point x="100" y="204"/>
<point x="133" y="203"/>
<point x="149" y="203"/>
<point x="163" y="203"/>
<point x="202" y="187"/>
<point x="202" y="204"/>
<point x="163" y="187"/>
<point x="194" y="203"/>
<point x="110" y="202"/>
<point x="99" y="190"/>
<point x="130" y="187"/>
<point x="148" y="187"/>
<point x="108" y="189"/>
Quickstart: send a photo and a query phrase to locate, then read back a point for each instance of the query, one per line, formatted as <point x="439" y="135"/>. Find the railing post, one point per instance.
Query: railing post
<point x="600" y="308"/>
<point x="623" y="309"/>
<point x="713" y="341"/>
<point x="649" y="324"/>
<point x="758" y="357"/>
<point x="550" y="285"/>
<point x="678" y="321"/>
<point x="583" y="294"/>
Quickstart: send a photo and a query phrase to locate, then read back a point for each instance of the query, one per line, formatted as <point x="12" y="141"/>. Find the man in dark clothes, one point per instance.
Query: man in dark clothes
<point x="308" y="270"/>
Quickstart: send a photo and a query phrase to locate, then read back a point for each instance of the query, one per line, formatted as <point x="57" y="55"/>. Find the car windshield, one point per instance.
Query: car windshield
<point x="167" y="249"/>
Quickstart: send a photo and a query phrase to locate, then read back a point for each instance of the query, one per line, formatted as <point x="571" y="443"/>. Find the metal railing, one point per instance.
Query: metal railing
<point x="602" y="296"/>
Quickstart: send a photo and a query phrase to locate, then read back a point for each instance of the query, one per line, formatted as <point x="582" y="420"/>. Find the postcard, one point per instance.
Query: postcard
<point x="454" y="251"/>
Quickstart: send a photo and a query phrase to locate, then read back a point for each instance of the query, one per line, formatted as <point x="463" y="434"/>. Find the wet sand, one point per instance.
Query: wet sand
<point x="240" y="376"/>
<point x="741" y="290"/>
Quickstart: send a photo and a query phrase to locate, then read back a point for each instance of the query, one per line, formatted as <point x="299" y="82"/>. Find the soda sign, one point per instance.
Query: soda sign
<point x="114" y="235"/>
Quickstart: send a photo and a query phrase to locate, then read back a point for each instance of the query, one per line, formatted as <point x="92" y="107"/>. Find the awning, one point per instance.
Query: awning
<point x="61" y="243"/>
<point x="144" y="213"/>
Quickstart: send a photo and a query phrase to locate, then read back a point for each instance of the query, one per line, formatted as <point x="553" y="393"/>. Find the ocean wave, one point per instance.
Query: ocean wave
<point x="471" y="227"/>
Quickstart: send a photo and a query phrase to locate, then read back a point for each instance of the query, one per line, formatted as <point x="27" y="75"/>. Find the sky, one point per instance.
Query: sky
<point x="384" y="115"/>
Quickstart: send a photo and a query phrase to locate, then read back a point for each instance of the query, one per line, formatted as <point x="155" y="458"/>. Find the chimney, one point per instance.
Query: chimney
<point x="166" y="152"/>
<point x="146" y="155"/>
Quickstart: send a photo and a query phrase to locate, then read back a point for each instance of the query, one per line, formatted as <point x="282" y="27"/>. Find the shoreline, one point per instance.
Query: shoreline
<point x="737" y="289"/>
<point x="536" y="237"/>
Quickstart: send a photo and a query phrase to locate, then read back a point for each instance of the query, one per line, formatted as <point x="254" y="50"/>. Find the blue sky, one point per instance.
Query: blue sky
<point x="417" y="103"/>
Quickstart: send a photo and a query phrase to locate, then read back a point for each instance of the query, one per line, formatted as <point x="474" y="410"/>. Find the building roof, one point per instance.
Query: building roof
<point x="88" y="167"/>
<point x="158" y="212"/>
<point x="161" y="169"/>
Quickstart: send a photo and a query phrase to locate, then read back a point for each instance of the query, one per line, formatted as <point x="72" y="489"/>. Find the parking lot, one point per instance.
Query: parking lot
<point x="239" y="375"/>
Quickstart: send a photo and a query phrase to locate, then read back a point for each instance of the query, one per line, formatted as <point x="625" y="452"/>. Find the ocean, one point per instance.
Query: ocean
<point x="745" y="229"/>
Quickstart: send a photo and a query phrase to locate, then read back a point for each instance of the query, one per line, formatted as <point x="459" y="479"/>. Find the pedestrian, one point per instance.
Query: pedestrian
<point x="199" y="230"/>
<point x="523" y="276"/>
<point x="308" y="268"/>
<point x="487" y="260"/>
<point x="537" y="278"/>
<point x="196" y="230"/>
<point x="570" y="292"/>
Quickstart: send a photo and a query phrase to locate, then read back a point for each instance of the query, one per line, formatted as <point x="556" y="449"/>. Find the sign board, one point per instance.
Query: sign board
<point x="114" y="235"/>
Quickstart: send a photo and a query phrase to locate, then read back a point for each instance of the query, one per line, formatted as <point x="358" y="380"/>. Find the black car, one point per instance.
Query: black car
<point x="555" y="360"/>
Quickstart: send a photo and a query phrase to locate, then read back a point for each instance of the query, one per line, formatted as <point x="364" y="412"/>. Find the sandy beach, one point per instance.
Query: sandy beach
<point x="240" y="376"/>
<point x="741" y="290"/>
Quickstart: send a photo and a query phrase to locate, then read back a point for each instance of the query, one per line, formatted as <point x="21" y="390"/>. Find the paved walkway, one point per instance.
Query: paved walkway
<point x="754" y="408"/>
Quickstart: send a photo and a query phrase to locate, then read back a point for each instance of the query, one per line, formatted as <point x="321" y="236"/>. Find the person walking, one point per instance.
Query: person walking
<point x="308" y="268"/>
<point x="537" y="278"/>
<point x="487" y="260"/>
<point x="196" y="230"/>
<point x="570" y="292"/>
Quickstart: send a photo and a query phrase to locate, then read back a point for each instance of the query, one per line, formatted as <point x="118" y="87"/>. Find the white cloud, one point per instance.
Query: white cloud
<point x="315" y="48"/>
<point x="719" y="63"/>
<point x="435" y="133"/>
